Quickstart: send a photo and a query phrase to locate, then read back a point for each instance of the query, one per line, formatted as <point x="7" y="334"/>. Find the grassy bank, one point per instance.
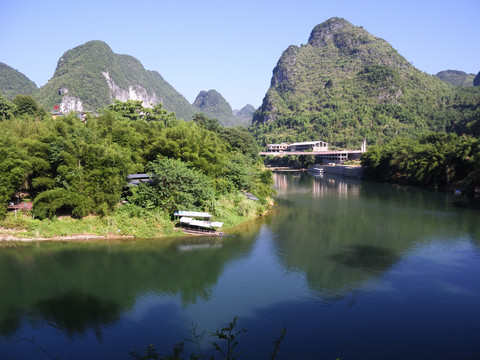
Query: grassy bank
<point x="128" y="220"/>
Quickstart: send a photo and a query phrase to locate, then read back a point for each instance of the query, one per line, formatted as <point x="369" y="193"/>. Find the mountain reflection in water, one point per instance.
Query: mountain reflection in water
<point x="353" y="269"/>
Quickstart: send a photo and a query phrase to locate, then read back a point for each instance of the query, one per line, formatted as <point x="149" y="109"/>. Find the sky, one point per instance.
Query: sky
<point x="230" y="46"/>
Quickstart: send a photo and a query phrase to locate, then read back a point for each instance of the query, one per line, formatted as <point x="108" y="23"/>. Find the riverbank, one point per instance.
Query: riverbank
<point x="127" y="222"/>
<point x="284" y="168"/>
<point x="337" y="169"/>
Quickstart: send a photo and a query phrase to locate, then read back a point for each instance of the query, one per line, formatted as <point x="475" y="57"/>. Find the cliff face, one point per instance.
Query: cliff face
<point x="92" y="76"/>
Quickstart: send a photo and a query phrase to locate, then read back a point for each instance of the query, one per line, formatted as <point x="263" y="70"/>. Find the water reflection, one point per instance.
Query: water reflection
<point x="366" y="257"/>
<point x="345" y="233"/>
<point x="333" y="259"/>
<point x="79" y="287"/>
<point x="315" y="185"/>
<point x="76" y="313"/>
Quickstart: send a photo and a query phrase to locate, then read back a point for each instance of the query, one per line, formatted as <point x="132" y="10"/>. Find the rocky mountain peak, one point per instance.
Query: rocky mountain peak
<point x="324" y="33"/>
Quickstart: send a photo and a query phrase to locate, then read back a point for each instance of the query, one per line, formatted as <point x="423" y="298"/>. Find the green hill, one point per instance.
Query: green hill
<point x="214" y="105"/>
<point x="345" y="85"/>
<point x="91" y="76"/>
<point x="456" y="77"/>
<point x="245" y="114"/>
<point x="13" y="82"/>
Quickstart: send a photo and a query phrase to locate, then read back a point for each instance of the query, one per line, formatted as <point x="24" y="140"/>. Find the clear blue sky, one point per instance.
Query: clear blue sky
<point x="230" y="46"/>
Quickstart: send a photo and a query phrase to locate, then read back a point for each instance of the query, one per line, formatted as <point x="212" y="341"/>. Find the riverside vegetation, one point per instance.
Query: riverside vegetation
<point x="437" y="160"/>
<point x="68" y="167"/>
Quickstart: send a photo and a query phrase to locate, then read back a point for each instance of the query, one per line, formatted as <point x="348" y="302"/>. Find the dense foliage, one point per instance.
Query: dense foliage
<point x="70" y="167"/>
<point x="174" y="186"/>
<point x="440" y="161"/>
<point x="346" y="85"/>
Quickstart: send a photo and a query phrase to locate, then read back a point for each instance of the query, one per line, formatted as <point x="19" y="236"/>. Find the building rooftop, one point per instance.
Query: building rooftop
<point x="308" y="143"/>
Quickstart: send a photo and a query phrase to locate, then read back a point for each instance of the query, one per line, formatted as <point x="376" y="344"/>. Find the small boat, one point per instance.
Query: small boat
<point x="190" y="225"/>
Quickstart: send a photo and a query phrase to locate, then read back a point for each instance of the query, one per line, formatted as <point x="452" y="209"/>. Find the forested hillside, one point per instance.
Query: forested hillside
<point x="13" y="82"/>
<point x="245" y="114"/>
<point x="345" y="85"/>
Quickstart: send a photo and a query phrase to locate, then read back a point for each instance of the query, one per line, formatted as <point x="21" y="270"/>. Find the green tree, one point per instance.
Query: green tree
<point x="26" y="105"/>
<point x="14" y="168"/>
<point x="174" y="186"/>
<point x="240" y="139"/>
<point x="130" y="109"/>
<point x="6" y="108"/>
<point x="134" y="110"/>
<point x="210" y="124"/>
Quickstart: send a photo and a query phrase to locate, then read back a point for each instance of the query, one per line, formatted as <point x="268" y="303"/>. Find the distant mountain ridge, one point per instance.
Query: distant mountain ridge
<point x="214" y="105"/>
<point x="456" y="77"/>
<point x="91" y="76"/>
<point x="13" y="82"/>
<point x="345" y="85"/>
<point x="245" y="114"/>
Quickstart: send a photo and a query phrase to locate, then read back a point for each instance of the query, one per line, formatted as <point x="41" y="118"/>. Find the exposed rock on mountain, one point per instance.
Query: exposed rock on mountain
<point x="92" y="76"/>
<point x="13" y="82"/>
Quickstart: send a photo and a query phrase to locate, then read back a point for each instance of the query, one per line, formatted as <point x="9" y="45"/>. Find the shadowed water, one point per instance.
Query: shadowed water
<point x="351" y="269"/>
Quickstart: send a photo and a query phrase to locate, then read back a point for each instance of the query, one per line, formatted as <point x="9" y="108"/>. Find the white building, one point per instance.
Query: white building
<point x="309" y="145"/>
<point x="277" y="147"/>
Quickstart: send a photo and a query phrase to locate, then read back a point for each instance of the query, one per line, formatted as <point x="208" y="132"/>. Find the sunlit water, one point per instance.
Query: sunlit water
<point x="350" y="269"/>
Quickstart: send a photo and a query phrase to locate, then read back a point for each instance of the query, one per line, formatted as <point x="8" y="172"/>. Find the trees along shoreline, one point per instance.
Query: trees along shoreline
<point x="77" y="170"/>
<point x="74" y="169"/>
<point x="438" y="160"/>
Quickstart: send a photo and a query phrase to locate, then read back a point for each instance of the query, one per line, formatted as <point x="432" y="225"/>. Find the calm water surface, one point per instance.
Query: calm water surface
<point x="351" y="269"/>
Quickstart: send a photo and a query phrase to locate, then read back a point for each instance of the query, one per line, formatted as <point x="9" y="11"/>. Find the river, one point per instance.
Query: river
<point x="349" y="269"/>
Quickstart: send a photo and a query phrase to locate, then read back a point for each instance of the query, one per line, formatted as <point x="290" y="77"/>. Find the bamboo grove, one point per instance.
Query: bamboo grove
<point x="67" y="166"/>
